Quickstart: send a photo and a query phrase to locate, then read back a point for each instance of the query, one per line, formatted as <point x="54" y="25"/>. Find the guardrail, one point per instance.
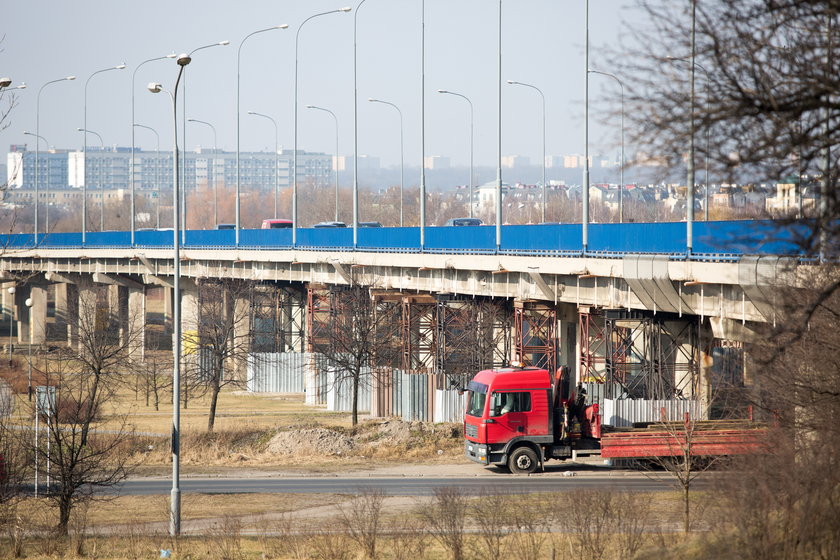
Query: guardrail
<point x="720" y="240"/>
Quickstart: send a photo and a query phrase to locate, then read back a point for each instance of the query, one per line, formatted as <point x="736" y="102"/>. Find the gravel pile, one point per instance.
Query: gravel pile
<point x="319" y="441"/>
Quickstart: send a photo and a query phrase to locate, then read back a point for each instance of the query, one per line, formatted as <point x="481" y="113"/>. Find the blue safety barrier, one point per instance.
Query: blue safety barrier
<point x="720" y="240"/>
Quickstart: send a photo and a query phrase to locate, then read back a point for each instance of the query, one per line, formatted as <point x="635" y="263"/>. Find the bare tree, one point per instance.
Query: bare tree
<point x="83" y="456"/>
<point x="362" y="520"/>
<point x="219" y="347"/>
<point x="445" y="518"/>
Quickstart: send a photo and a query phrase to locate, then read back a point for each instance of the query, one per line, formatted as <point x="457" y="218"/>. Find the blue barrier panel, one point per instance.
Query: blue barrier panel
<point x="18" y="241"/>
<point x="542" y="238"/>
<point x="272" y="238"/>
<point x="61" y="240"/>
<point x="154" y="239"/>
<point x="661" y="238"/>
<point x="328" y="238"/>
<point x="398" y="238"/>
<point x="108" y="239"/>
<point x="210" y="238"/>
<point x="467" y="239"/>
<point x="750" y="237"/>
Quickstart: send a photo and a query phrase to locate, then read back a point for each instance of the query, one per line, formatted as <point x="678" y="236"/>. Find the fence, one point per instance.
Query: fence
<point x="626" y="412"/>
<point x="275" y="372"/>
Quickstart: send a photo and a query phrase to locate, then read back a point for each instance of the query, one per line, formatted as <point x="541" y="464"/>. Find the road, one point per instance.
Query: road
<point x="399" y="486"/>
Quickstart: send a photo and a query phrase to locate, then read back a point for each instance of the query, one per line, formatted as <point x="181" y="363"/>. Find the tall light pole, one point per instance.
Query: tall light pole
<point x="276" y="160"/>
<point x="402" y="153"/>
<point x="28" y="304"/>
<point x="294" y="155"/>
<point x="131" y="169"/>
<point x="238" y="174"/>
<point x="84" y="151"/>
<point x="38" y="139"/>
<point x="101" y="184"/>
<point x="11" y="291"/>
<point x="689" y="210"/>
<point x="621" y="170"/>
<point x="212" y="170"/>
<point x="175" y="495"/>
<point x="499" y="140"/>
<point x="356" y="131"/>
<point x="184" y="138"/>
<point x="157" y="169"/>
<point x="472" y="179"/>
<point x="585" y="187"/>
<point x="38" y="150"/>
<point x="708" y="132"/>
<point x="336" y="152"/>
<point x="542" y="97"/>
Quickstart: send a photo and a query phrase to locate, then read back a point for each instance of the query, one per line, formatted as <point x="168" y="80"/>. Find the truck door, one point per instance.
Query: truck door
<point x="509" y="412"/>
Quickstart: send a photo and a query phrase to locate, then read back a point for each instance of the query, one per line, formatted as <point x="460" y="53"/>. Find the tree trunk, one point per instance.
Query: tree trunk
<point x="214" y="399"/>
<point x="355" y="415"/>
<point x="65" y="506"/>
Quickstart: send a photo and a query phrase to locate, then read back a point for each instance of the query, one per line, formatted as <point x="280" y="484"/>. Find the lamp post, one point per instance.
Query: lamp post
<point x="131" y="170"/>
<point x="101" y="184"/>
<point x="157" y="170"/>
<point x="499" y="140"/>
<point x="213" y="170"/>
<point x="184" y="138"/>
<point x="276" y="158"/>
<point x="336" y="152"/>
<point x="238" y="62"/>
<point x="585" y="187"/>
<point x="423" y="125"/>
<point x="542" y="97"/>
<point x="175" y="495"/>
<point x="472" y="180"/>
<point x="356" y="132"/>
<point x="621" y="171"/>
<point x="402" y="153"/>
<point x="38" y="139"/>
<point x="84" y="152"/>
<point x="11" y="291"/>
<point x="689" y="210"/>
<point x="28" y="304"/>
<point x="38" y="150"/>
<point x="294" y="155"/>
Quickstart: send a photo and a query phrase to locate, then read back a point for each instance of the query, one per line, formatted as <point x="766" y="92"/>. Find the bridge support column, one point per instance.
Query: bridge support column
<point x="567" y="334"/>
<point x="241" y="309"/>
<point x="8" y="303"/>
<point x="23" y="315"/>
<point x="136" y="317"/>
<point x="38" y="314"/>
<point x="88" y="315"/>
<point x="62" y="295"/>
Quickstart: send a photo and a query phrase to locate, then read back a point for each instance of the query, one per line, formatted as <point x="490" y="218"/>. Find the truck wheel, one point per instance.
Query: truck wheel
<point x="523" y="461"/>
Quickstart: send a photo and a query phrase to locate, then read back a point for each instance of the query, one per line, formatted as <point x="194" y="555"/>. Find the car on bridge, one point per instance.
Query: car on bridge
<point x="463" y="222"/>
<point x="276" y="224"/>
<point x="330" y="225"/>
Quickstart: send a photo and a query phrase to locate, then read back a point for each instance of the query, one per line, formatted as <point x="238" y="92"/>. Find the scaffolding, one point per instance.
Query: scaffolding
<point x="277" y="319"/>
<point x="536" y="334"/>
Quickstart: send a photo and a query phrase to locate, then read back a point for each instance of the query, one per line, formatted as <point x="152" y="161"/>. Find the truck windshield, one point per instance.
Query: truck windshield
<point x="478" y="396"/>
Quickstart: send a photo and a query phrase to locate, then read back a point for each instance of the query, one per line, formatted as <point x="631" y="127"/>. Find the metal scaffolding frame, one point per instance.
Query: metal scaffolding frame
<point x="419" y="333"/>
<point x="277" y="315"/>
<point x="536" y="334"/>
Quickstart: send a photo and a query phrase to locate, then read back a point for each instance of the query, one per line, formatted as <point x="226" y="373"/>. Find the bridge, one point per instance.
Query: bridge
<point x="545" y="299"/>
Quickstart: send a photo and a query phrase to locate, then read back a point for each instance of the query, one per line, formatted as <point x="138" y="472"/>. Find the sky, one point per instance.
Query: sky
<point x="542" y="44"/>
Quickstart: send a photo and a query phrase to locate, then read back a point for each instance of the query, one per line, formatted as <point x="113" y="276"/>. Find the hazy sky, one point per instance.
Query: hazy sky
<point x="542" y="45"/>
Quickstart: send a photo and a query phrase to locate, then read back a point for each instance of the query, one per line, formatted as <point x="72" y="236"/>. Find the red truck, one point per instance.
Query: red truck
<point x="520" y="417"/>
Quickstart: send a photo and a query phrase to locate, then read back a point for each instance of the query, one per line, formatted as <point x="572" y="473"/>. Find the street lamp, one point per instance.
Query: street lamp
<point x="336" y="152"/>
<point x="294" y="155"/>
<point x="11" y="291"/>
<point x="38" y="139"/>
<point x="402" y="153"/>
<point x="184" y="138"/>
<point x="38" y="150"/>
<point x="238" y="62"/>
<point x="131" y="170"/>
<point x="585" y="187"/>
<point x="101" y="182"/>
<point x="471" y="141"/>
<point x="157" y="170"/>
<point x="621" y="179"/>
<point x="175" y="495"/>
<point x="213" y="170"/>
<point x="276" y="159"/>
<point x="84" y="152"/>
<point x="542" y="97"/>
<point x="28" y="304"/>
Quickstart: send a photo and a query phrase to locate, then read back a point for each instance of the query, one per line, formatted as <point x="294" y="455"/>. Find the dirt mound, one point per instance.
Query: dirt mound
<point x="310" y="441"/>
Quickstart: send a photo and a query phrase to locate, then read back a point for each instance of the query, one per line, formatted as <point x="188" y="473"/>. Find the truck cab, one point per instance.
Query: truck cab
<point x="517" y="418"/>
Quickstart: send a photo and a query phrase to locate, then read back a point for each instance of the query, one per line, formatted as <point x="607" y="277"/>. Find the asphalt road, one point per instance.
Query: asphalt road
<point x="396" y="486"/>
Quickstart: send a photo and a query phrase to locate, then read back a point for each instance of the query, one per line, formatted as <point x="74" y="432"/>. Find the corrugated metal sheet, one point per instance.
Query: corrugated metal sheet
<point x="316" y="381"/>
<point x="449" y="406"/>
<point x="340" y="391"/>
<point x="6" y="399"/>
<point x="276" y="372"/>
<point x="417" y="396"/>
<point x="625" y="412"/>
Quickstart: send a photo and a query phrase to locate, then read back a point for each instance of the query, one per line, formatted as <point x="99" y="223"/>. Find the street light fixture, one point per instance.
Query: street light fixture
<point x="294" y="155"/>
<point x="131" y="170"/>
<point x="542" y="97"/>
<point x="621" y="171"/>
<point x="336" y="152"/>
<point x="157" y="169"/>
<point x="175" y="495"/>
<point x="213" y="170"/>
<point x="38" y="150"/>
<point x="84" y="152"/>
<point x="472" y="179"/>
<point x="402" y="153"/>
<point x="276" y="158"/>
<point x="238" y="185"/>
<point x="101" y="182"/>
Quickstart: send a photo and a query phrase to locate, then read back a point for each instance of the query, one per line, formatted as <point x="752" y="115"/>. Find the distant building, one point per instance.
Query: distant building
<point x="436" y="162"/>
<point x="511" y="162"/>
<point x="366" y="163"/>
